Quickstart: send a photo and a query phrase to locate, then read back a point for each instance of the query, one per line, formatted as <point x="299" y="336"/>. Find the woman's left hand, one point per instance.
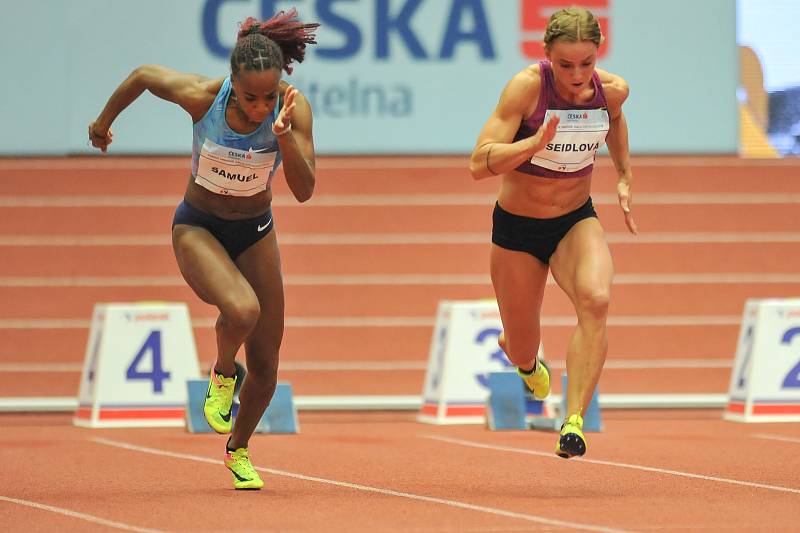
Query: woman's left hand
<point x="283" y="124"/>
<point x="625" y="200"/>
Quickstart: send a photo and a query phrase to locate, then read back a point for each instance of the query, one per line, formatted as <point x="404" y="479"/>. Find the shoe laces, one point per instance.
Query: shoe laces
<point x="242" y="461"/>
<point x="226" y="387"/>
<point x="225" y="384"/>
<point x="574" y="419"/>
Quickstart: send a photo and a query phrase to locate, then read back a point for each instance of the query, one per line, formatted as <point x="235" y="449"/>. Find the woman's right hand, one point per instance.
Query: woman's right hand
<point x="99" y="137"/>
<point x="545" y="134"/>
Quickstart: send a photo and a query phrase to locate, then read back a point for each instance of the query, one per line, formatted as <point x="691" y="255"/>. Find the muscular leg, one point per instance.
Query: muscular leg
<point x="260" y="264"/>
<point x="519" y="280"/>
<point x="582" y="267"/>
<point x="214" y="277"/>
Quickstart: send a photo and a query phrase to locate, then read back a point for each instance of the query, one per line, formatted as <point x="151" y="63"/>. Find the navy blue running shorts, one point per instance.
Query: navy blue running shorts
<point x="236" y="236"/>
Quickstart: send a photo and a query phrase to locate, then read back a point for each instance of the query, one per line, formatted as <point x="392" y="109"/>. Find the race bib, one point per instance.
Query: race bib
<point x="579" y="134"/>
<point x="234" y="172"/>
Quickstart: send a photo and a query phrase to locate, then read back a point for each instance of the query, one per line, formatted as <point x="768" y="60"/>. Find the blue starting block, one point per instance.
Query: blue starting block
<point x="510" y="404"/>
<point x="280" y="416"/>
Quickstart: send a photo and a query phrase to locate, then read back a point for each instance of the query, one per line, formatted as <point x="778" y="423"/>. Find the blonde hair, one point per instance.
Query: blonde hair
<point x="573" y="24"/>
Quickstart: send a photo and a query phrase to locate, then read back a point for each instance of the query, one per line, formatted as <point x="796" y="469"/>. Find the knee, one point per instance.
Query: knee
<point x="594" y="303"/>
<point x="263" y="373"/>
<point x="521" y="348"/>
<point x="241" y="314"/>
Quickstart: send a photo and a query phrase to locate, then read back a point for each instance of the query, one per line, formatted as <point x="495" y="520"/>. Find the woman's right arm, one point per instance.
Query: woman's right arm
<point x="495" y="153"/>
<point x="187" y="90"/>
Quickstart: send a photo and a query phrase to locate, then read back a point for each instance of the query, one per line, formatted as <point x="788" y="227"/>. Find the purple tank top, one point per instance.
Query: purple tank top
<point x="549" y="99"/>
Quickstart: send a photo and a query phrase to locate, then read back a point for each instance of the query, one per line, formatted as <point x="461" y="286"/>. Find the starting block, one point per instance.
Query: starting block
<point x="280" y="416"/>
<point x="510" y="406"/>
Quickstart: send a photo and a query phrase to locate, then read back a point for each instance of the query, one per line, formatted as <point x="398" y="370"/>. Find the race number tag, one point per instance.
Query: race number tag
<point x="579" y="134"/>
<point x="234" y="172"/>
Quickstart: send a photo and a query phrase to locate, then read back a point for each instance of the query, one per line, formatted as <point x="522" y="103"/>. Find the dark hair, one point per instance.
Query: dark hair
<point x="274" y="43"/>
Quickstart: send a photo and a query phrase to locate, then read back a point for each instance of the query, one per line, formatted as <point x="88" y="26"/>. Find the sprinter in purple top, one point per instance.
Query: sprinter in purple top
<point x="541" y="139"/>
<point x="583" y="148"/>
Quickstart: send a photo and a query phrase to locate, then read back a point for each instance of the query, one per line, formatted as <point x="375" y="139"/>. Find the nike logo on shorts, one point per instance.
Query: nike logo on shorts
<point x="265" y="226"/>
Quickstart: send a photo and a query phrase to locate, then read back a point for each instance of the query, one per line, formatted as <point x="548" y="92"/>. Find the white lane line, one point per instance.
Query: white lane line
<point x="161" y="239"/>
<point x="473" y="444"/>
<point x="75" y="514"/>
<point x="379" y="239"/>
<point x="393" y="366"/>
<point x="203" y="323"/>
<point x="398" y="279"/>
<point x="702" y="278"/>
<point x="703" y="237"/>
<point x="781" y="438"/>
<point x="40" y="367"/>
<point x="398" y="321"/>
<point x="398" y="200"/>
<point x="702" y="199"/>
<point x="640" y="364"/>
<point x="120" y="201"/>
<point x="92" y="162"/>
<point x="366" y="488"/>
<point x="93" y="281"/>
<point x="290" y="366"/>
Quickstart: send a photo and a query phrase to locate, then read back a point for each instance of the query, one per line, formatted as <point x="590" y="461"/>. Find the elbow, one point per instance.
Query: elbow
<point x="305" y="195"/>
<point x="141" y="76"/>
<point x="477" y="170"/>
<point x="141" y="72"/>
<point x="473" y="170"/>
<point x="478" y="173"/>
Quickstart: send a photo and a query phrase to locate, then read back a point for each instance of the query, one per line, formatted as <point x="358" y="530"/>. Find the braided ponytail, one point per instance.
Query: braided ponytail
<point x="274" y="43"/>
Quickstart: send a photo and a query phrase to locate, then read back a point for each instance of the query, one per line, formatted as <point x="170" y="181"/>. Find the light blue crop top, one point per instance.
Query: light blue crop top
<point x="214" y="127"/>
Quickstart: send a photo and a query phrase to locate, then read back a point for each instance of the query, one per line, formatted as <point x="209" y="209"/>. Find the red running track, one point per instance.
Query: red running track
<point x="382" y="242"/>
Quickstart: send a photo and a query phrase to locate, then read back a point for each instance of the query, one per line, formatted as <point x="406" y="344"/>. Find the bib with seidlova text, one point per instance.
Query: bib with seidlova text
<point x="234" y="172"/>
<point x="579" y="134"/>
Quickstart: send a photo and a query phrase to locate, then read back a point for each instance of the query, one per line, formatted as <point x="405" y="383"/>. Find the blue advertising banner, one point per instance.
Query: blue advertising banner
<point x="387" y="77"/>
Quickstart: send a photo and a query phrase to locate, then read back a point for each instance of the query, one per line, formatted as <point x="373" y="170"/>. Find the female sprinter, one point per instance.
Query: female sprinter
<point x="541" y="139"/>
<point x="245" y="124"/>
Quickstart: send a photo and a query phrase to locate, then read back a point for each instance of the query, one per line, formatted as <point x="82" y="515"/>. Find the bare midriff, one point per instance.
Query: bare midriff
<point x="538" y="197"/>
<point x="227" y="207"/>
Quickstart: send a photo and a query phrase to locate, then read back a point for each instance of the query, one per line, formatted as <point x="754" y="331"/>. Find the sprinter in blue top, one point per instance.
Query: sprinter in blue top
<point x="245" y="125"/>
<point x="541" y="139"/>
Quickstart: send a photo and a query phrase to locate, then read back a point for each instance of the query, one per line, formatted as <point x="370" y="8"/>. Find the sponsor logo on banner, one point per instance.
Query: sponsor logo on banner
<point x="465" y="23"/>
<point x="535" y="14"/>
<point x="378" y="32"/>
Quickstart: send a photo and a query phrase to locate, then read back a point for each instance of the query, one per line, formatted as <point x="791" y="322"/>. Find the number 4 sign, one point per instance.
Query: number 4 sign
<point x="765" y="382"/>
<point x="138" y="359"/>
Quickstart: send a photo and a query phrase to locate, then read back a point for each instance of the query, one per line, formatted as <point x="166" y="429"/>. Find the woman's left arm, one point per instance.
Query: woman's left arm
<point x="293" y="129"/>
<point x="617" y="141"/>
